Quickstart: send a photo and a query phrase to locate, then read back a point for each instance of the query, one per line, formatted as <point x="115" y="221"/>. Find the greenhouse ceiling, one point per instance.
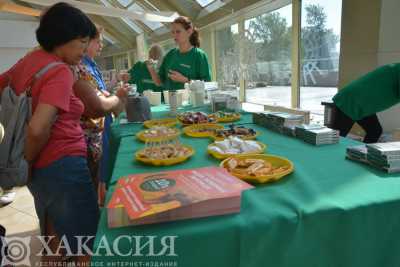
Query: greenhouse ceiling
<point x="123" y="20"/>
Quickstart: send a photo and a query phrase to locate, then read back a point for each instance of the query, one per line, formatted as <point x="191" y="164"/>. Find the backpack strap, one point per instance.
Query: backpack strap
<point x="39" y="74"/>
<point x="16" y="111"/>
<point x="46" y="68"/>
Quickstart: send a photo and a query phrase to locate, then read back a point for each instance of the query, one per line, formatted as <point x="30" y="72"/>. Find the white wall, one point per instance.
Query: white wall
<point x="9" y="56"/>
<point x="17" y="38"/>
<point x="389" y="52"/>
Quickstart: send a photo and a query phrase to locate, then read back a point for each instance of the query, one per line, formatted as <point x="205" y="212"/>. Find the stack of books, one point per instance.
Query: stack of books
<point x="385" y="156"/>
<point x="357" y="153"/>
<point x="280" y="122"/>
<point x="259" y="118"/>
<point x="174" y="195"/>
<point x="289" y="131"/>
<point x="317" y="134"/>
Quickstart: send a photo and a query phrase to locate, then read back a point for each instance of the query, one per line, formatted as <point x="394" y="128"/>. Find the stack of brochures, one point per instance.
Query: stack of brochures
<point x="317" y="134"/>
<point x="174" y="195"/>
<point x="280" y="122"/>
<point x="357" y="153"/>
<point x="384" y="156"/>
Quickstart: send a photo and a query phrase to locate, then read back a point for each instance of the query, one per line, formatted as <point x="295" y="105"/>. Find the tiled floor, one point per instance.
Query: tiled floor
<point x="20" y="220"/>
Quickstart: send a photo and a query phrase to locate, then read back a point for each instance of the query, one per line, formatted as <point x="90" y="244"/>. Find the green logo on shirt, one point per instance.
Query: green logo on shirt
<point x="186" y="66"/>
<point x="148" y="81"/>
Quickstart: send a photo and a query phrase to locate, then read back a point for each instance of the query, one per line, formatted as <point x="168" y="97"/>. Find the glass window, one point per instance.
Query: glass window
<point x="211" y="7"/>
<point x="109" y="63"/>
<point x="132" y="25"/>
<point x="125" y="3"/>
<point x="204" y="3"/>
<point x="267" y="57"/>
<point x="320" y="49"/>
<point x="227" y="58"/>
<point x="150" y="4"/>
<point x="121" y="62"/>
<point x="108" y="40"/>
<point x="151" y="24"/>
<point x="106" y="3"/>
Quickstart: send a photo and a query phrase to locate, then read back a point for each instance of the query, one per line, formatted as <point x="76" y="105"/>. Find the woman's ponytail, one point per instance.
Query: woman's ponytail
<point x="195" y="38"/>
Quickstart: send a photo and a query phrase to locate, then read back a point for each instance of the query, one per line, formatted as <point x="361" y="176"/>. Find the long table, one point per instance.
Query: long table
<point x="328" y="212"/>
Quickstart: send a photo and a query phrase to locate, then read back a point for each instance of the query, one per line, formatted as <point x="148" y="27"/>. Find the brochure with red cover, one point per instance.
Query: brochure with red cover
<point x="174" y="195"/>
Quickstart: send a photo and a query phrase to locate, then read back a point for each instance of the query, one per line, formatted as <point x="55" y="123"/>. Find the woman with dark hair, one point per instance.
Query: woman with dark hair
<point x="55" y="146"/>
<point x="185" y="63"/>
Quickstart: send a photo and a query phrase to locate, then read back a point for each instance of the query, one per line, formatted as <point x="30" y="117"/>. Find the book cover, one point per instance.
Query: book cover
<point x="390" y="148"/>
<point x="163" y="196"/>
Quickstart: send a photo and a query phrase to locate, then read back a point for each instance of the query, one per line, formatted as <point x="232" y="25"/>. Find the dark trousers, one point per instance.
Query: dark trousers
<point x="370" y="124"/>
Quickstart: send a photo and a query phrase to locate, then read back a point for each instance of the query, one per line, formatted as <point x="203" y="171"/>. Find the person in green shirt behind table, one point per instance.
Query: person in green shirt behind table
<point x="140" y="75"/>
<point x="185" y="63"/>
<point x="360" y="100"/>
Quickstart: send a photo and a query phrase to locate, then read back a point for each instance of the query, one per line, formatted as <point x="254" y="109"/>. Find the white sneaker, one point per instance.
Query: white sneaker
<point x="7" y="197"/>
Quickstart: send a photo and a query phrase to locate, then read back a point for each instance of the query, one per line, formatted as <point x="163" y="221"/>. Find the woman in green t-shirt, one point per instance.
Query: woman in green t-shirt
<point x="185" y="63"/>
<point x="140" y="75"/>
<point x="360" y="100"/>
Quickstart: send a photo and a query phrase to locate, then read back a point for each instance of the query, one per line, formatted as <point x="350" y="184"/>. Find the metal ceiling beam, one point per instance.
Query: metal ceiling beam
<point x="9" y="6"/>
<point x="122" y="28"/>
<point x="188" y="8"/>
<point x="166" y="5"/>
<point x="233" y="6"/>
<point x="226" y="10"/>
<point x="114" y="32"/>
<point x="197" y="4"/>
<point x="140" y="23"/>
<point x="149" y="7"/>
<point x="158" y="38"/>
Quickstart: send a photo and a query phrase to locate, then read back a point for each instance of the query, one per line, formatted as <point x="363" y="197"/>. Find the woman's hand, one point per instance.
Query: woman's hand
<point x="150" y="63"/>
<point x="123" y="76"/>
<point x="122" y="94"/>
<point x="122" y="91"/>
<point x="96" y="105"/>
<point x="105" y="93"/>
<point x="177" y="77"/>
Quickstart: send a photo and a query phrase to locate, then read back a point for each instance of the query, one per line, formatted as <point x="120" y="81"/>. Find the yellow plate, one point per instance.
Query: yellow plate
<point x="224" y="156"/>
<point x="168" y="122"/>
<point x="141" y="136"/>
<point x="276" y="161"/>
<point x="251" y="137"/>
<point x="164" y="162"/>
<point x="191" y="130"/>
<point x="235" y="117"/>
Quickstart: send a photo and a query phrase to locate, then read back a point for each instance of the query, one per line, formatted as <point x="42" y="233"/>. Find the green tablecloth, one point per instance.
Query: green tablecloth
<point x="329" y="212"/>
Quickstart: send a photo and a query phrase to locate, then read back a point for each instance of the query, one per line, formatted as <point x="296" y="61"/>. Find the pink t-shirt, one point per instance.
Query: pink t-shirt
<point x="53" y="88"/>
